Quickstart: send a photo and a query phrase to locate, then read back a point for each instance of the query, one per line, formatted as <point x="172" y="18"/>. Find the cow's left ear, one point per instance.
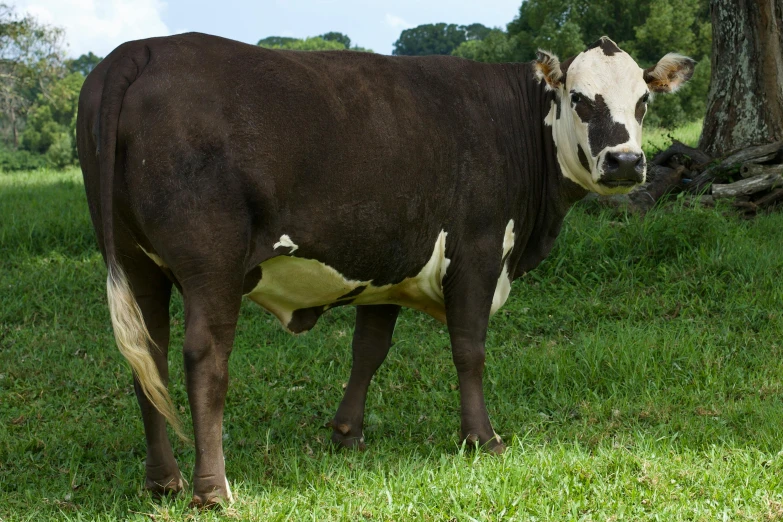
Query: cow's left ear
<point x="670" y="73"/>
<point x="548" y="69"/>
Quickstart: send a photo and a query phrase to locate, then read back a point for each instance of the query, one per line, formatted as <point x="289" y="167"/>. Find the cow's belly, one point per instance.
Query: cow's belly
<point x="297" y="290"/>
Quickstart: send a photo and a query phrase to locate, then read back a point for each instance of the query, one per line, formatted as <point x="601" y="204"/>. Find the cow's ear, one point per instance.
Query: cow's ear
<point x="548" y="69"/>
<point x="670" y="73"/>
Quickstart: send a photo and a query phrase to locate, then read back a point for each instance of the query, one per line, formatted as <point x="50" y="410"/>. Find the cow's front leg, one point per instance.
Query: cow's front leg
<point x="467" y="310"/>
<point x="371" y="341"/>
<point x="210" y="325"/>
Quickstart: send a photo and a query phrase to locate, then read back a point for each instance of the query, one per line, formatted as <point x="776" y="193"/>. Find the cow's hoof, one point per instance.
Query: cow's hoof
<point x="207" y="502"/>
<point x="169" y="487"/>
<point x="214" y="498"/>
<point x="492" y="445"/>
<point x="344" y="437"/>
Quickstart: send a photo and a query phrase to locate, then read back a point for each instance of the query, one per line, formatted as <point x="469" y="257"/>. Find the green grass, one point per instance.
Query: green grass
<point x="636" y="375"/>
<point x="657" y="139"/>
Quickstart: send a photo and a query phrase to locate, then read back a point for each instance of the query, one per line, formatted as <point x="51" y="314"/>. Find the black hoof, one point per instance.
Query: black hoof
<point x="343" y="436"/>
<point x="492" y="444"/>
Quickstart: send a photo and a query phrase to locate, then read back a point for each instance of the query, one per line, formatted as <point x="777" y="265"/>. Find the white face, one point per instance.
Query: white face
<point x="596" y="119"/>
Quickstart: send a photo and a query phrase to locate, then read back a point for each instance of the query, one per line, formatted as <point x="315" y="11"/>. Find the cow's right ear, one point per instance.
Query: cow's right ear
<point x="548" y="69"/>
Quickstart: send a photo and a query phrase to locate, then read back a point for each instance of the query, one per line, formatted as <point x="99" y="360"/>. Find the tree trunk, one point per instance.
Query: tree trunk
<point x="14" y="129"/>
<point x="745" y="102"/>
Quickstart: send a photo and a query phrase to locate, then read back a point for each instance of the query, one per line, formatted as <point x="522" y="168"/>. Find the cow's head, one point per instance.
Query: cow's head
<point x="596" y="118"/>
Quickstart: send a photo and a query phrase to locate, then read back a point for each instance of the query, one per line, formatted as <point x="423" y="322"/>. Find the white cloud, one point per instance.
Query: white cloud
<point x="396" y="22"/>
<point x="99" y="25"/>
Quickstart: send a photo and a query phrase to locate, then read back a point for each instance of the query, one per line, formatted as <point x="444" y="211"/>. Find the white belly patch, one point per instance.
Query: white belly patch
<point x="503" y="287"/>
<point x="291" y="283"/>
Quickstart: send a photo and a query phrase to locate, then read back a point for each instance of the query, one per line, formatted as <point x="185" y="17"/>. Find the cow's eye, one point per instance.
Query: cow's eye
<point x="576" y="97"/>
<point x="646" y="97"/>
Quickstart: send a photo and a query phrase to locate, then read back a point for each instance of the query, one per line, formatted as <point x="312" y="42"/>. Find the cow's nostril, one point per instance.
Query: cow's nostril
<point x="611" y="162"/>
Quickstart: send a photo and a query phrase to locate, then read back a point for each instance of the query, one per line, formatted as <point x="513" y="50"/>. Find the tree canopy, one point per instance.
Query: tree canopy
<point x="437" y="38"/>
<point x="83" y="64"/>
<point x="333" y="36"/>
<point x="276" y="42"/>
<point x="39" y="86"/>
<point x="646" y="29"/>
<point x="314" y="43"/>
<point x="31" y="59"/>
<point x="331" y="41"/>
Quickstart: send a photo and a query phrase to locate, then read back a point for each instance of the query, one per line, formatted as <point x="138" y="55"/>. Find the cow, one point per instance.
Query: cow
<point x="309" y="180"/>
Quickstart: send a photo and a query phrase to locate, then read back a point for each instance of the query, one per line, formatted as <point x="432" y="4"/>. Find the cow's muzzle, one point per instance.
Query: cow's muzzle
<point x="622" y="169"/>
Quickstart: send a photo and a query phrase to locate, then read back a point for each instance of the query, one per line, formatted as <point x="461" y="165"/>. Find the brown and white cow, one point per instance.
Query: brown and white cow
<point x="312" y="180"/>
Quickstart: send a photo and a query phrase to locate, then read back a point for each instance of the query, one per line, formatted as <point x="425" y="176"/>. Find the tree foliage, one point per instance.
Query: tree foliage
<point x="39" y="92"/>
<point x="83" y="64"/>
<point x="314" y="43"/>
<point x="647" y="29"/>
<point x="331" y="41"/>
<point x="275" y="42"/>
<point x="31" y="60"/>
<point x="437" y="38"/>
<point x="495" y="47"/>
<point x="334" y="36"/>
<point x="51" y="124"/>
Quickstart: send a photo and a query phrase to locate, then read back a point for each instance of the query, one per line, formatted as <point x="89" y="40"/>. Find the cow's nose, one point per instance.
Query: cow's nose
<point x="623" y="169"/>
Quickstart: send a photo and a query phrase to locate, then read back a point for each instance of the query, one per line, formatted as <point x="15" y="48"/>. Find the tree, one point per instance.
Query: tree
<point x="333" y="36"/>
<point x="83" y="64"/>
<point x="745" y="101"/>
<point x="31" y="59"/>
<point x="646" y="29"/>
<point x="275" y="42"/>
<point x="476" y="31"/>
<point x="495" y="47"/>
<point x="642" y="28"/>
<point x="51" y="124"/>
<point x="315" y="43"/>
<point x="436" y="38"/>
<point x="335" y="42"/>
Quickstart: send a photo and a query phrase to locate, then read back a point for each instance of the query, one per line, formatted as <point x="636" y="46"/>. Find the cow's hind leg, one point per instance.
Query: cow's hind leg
<point x="212" y="301"/>
<point x="152" y="290"/>
<point x="371" y="341"/>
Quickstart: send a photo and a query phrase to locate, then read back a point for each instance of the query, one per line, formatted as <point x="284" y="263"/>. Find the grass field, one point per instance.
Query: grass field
<point x="636" y="375"/>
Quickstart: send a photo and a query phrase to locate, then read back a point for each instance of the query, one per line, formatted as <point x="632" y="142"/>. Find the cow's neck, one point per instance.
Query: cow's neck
<point x="541" y="193"/>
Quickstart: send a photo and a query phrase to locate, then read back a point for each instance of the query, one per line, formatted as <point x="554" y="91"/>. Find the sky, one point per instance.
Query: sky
<point x="101" y="25"/>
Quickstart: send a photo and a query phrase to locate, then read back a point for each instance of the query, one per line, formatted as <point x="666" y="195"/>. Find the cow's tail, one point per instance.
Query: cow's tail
<point x="133" y="338"/>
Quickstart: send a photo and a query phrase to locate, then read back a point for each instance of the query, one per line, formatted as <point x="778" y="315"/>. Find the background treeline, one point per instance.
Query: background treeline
<point x="39" y="91"/>
<point x="647" y="29"/>
<point x="39" y="86"/>
<point x="331" y="41"/>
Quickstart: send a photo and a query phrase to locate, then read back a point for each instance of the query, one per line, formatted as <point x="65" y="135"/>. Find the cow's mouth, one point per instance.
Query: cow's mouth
<point x="618" y="183"/>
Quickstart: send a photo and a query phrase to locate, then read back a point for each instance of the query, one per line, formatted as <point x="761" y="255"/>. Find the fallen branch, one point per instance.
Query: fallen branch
<point x="698" y="157"/>
<point x="662" y="181"/>
<point x="769" y="199"/>
<point x="750" y="170"/>
<point x="746" y="187"/>
<point x="733" y="163"/>
<point x="757" y="154"/>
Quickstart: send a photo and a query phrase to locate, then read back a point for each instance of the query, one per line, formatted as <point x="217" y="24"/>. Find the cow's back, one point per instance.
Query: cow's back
<point x="337" y="148"/>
